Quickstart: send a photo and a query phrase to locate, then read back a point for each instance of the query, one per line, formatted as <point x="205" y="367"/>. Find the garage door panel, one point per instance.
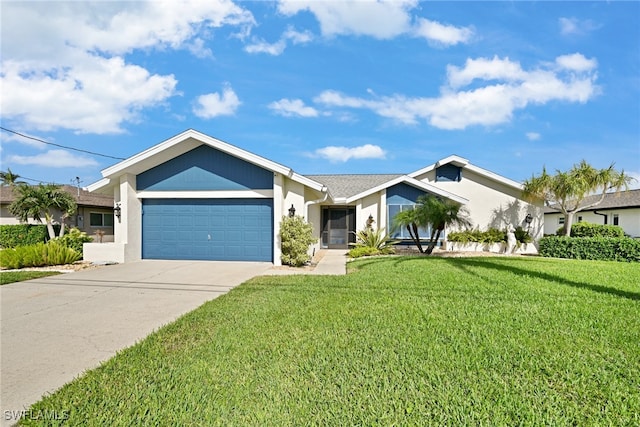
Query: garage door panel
<point x="208" y="229"/>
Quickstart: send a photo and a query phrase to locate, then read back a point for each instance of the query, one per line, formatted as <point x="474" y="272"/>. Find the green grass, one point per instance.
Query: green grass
<point x="399" y="341"/>
<point x="7" y="277"/>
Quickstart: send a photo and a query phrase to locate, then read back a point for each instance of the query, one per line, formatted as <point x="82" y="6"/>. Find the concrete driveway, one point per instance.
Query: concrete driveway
<point x="55" y="328"/>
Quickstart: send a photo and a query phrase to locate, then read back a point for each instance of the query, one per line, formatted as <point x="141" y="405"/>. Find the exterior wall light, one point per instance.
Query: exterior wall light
<point x="117" y="211"/>
<point x="292" y="211"/>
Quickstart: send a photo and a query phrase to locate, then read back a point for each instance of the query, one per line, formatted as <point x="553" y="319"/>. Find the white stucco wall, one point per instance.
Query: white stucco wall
<point x="628" y="219"/>
<point x="127" y="245"/>
<point x="491" y="203"/>
<point x="306" y="203"/>
<point x="369" y="205"/>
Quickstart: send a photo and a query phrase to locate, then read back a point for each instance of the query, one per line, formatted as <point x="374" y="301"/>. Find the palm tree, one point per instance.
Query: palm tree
<point x="43" y="200"/>
<point x="441" y="213"/>
<point x="430" y="210"/>
<point x="567" y="190"/>
<point x="413" y="220"/>
<point x="10" y="179"/>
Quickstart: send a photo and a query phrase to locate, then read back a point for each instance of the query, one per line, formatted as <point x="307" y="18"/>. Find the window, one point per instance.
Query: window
<point x="448" y="172"/>
<point x="101" y="219"/>
<point x="560" y="220"/>
<point x="579" y="219"/>
<point x="616" y="219"/>
<point x="402" y="233"/>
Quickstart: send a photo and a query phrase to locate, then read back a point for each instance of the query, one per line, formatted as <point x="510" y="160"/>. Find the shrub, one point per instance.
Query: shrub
<point x="376" y="239"/>
<point x="22" y="235"/>
<point x="586" y="229"/>
<point x="295" y="235"/>
<point x="74" y="239"/>
<point x="363" y="251"/>
<point x="523" y="236"/>
<point x="593" y="248"/>
<point x="57" y="254"/>
<point x="38" y="255"/>
<point x="492" y="235"/>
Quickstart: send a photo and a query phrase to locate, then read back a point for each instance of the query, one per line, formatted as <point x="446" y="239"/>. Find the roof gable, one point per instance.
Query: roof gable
<point x="181" y="144"/>
<point x="466" y="165"/>
<point x="205" y="168"/>
<point x="414" y="183"/>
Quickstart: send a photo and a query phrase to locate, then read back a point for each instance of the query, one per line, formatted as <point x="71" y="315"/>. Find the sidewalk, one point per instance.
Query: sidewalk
<point x="330" y="262"/>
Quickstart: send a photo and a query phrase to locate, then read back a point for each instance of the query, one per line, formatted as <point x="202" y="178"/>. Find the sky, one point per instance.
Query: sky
<point x="323" y="87"/>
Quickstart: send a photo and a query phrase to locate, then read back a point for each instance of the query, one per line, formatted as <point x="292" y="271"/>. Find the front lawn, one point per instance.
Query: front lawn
<point x="7" y="277"/>
<point x="399" y="341"/>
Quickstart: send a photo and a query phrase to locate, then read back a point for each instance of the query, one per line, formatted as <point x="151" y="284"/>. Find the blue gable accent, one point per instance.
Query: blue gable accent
<point x="205" y="169"/>
<point x="403" y="194"/>
<point x="449" y="172"/>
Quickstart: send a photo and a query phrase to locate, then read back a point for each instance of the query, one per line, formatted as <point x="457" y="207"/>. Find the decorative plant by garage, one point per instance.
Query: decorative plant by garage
<point x="295" y="235"/>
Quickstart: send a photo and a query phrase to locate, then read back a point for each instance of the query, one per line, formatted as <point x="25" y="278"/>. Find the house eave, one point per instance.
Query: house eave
<point x="413" y="182"/>
<point x="183" y="143"/>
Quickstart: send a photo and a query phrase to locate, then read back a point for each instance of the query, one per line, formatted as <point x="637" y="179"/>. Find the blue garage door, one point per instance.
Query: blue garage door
<point x="208" y="229"/>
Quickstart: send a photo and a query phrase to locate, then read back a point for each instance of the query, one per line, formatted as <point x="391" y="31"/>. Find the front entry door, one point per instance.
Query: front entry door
<point x="338" y="227"/>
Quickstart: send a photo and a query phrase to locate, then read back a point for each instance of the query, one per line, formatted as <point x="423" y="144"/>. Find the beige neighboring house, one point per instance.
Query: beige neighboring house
<point x="94" y="213"/>
<point x="195" y="197"/>
<point x="622" y="209"/>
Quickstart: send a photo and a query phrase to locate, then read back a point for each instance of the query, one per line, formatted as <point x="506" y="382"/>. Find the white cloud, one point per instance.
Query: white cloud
<point x="54" y="159"/>
<point x="381" y="19"/>
<point x="293" y="107"/>
<point x="10" y="137"/>
<point x="261" y="46"/>
<point x="277" y="48"/>
<point x="214" y="104"/>
<point x="575" y="26"/>
<point x="484" y="69"/>
<point x="442" y="34"/>
<point x="576" y="62"/>
<point x="503" y="88"/>
<point x="71" y="72"/>
<point x="533" y="136"/>
<point x="199" y="49"/>
<point x="342" y="154"/>
<point x="94" y="96"/>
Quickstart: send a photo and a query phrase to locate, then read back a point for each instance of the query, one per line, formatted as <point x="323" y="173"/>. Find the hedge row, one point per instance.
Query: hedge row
<point x="12" y="236"/>
<point x="594" y="248"/>
<point x="492" y="235"/>
<point x="38" y="255"/>
<point x="586" y="229"/>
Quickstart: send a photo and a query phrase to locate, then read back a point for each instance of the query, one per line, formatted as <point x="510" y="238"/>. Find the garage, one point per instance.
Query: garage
<point x="208" y="229"/>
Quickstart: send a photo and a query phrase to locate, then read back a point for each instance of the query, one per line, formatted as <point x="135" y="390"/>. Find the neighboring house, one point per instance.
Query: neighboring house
<point x="95" y="211"/>
<point x="196" y="197"/>
<point x="621" y="209"/>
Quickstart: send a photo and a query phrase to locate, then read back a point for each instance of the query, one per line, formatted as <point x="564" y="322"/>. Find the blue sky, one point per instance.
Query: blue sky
<point x="323" y="86"/>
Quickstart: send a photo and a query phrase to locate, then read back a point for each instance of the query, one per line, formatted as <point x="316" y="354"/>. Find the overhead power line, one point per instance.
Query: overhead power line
<point x="58" y="145"/>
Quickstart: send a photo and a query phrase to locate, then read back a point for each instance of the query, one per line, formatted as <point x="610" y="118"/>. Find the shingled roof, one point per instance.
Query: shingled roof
<point x="83" y="199"/>
<point x="621" y="200"/>
<point x="345" y="186"/>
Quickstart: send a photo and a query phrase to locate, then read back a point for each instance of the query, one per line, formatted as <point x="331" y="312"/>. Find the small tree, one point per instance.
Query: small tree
<point x="441" y="213"/>
<point x="42" y="201"/>
<point x="412" y="220"/>
<point x="566" y="191"/>
<point x="10" y="179"/>
<point x="295" y="236"/>
<point x="430" y="210"/>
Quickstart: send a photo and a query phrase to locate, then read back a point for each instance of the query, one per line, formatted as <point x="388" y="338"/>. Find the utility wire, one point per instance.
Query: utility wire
<point x="39" y="181"/>
<point x="58" y="145"/>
